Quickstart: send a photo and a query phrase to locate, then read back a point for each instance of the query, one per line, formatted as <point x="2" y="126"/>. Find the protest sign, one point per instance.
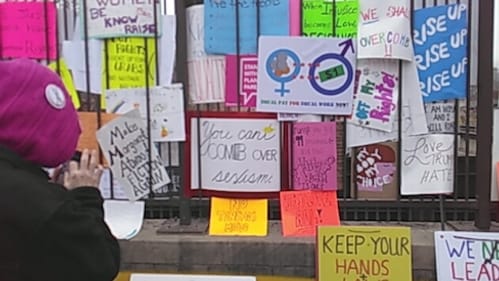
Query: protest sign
<point x="352" y="253"/>
<point x="385" y="30"/>
<point x="440" y="44"/>
<point x="122" y="18"/>
<point x="376" y="97"/>
<point x="314" y="156"/>
<point x="296" y="80"/>
<point x="28" y="30"/>
<point x="235" y="154"/>
<point x="242" y="217"/>
<point x="440" y="117"/>
<point x="317" y="18"/>
<point x="427" y="164"/>
<point x="124" y="142"/>
<point x="303" y="211"/>
<point x="89" y="126"/>
<point x="246" y="67"/>
<point x="467" y="255"/>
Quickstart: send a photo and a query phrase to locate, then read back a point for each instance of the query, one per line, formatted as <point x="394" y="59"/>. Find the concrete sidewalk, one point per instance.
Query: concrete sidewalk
<point x="270" y="255"/>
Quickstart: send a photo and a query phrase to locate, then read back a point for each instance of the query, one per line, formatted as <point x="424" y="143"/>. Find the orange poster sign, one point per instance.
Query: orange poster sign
<point x="303" y="211"/>
<point x="89" y="127"/>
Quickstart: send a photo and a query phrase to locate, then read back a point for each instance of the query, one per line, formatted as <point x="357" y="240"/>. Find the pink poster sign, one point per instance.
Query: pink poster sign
<point x="314" y="156"/>
<point x="26" y="28"/>
<point x="247" y="80"/>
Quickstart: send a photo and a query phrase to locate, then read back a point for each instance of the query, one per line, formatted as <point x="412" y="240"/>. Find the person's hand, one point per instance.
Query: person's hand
<point x="85" y="173"/>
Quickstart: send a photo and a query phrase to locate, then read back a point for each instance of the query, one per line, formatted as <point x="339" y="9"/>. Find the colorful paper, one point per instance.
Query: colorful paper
<point x="28" y="30"/>
<point x="248" y="69"/>
<point x="166" y="109"/>
<point x="352" y="253"/>
<point x="385" y="30"/>
<point x="309" y="75"/>
<point x="61" y="68"/>
<point x="317" y="18"/>
<point x="376" y="98"/>
<point x="303" y="211"/>
<point x="375" y="168"/>
<point x="441" y="44"/>
<point x="122" y="18"/>
<point x="314" y="156"/>
<point x="427" y="165"/>
<point x="238" y="217"/>
<point x="221" y="24"/>
<point x="206" y="72"/>
<point x="466" y="255"/>
<point x="235" y="154"/>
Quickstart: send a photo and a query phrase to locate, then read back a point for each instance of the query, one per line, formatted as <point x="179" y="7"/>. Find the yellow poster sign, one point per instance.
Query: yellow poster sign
<point x="364" y="253"/>
<point x="242" y="217"/>
<point x="62" y="69"/>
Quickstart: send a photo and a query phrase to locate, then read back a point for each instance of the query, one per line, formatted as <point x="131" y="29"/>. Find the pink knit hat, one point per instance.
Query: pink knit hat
<point x="38" y="120"/>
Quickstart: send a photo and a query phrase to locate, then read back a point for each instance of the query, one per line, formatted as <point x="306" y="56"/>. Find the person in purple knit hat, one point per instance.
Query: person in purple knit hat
<point x="48" y="231"/>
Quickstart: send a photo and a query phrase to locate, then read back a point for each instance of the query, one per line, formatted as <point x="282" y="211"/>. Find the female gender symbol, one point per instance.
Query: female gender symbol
<point x="273" y="58"/>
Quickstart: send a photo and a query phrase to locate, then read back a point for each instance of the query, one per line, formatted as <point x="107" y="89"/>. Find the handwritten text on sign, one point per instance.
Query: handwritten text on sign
<point x="240" y="155"/>
<point x="314" y="156"/>
<point x="317" y="19"/>
<point x="27" y="29"/>
<point x="126" y="148"/>
<point x="467" y="255"/>
<point x="238" y="217"/>
<point x="246" y="68"/>
<point x="364" y="253"/>
<point x="440" y="117"/>
<point x="427" y="164"/>
<point x="113" y="18"/>
<point x="303" y="211"/>
<point x="440" y="42"/>
<point x="376" y="98"/>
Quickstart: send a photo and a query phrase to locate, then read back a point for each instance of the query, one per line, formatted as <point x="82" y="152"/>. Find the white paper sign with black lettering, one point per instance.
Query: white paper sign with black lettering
<point x="467" y="255"/>
<point x="385" y="30"/>
<point x="440" y="117"/>
<point x="236" y="154"/>
<point x="427" y="164"/>
<point x="376" y="95"/>
<point x="124" y="142"/>
<point x="122" y="18"/>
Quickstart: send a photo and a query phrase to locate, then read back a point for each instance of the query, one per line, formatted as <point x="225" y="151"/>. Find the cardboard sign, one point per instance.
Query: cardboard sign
<point x="317" y="18"/>
<point x="89" y="126"/>
<point x="467" y="255"/>
<point x="242" y="217"/>
<point x="303" y="211"/>
<point x="352" y="253"/>
<point x="314" y="156"/>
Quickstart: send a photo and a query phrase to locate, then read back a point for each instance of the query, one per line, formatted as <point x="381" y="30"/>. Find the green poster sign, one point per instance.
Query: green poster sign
<point x="317" y="18"/>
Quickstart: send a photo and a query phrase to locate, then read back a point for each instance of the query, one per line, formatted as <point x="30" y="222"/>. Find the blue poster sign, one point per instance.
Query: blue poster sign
<point x="440" y="46"/>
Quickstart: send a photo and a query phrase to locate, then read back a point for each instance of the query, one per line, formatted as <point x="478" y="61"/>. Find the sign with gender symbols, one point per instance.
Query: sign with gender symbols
<point x="306" y="75"/>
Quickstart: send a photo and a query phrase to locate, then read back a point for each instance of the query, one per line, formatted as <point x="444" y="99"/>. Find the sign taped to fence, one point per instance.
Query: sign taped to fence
<point x="28" y="29"/>
<point x="246" y="67"/>
<point x="427" y="165"/>
<point x="351" y="253"/>
<point x="385" y="30"/>
<point x="125" y="144"/>
<point x="241" y="217"/>
<point x="467" y="255"/>
<point x="122" y="18"/>
<point x="166" y="109"/>
<point x="235" y="154"/>
<point x="303" y="211"/>
<point x="314" y="156"/>
<point x="376" y="97"/>
<point x="440" y="44"/>
<point x="440" y="117"/>
<point x="317" y="19"/>
<point x="309" y="75"/>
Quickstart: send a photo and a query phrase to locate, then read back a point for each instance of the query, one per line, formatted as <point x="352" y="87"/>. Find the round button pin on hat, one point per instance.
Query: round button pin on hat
<point x="55" y="96"/>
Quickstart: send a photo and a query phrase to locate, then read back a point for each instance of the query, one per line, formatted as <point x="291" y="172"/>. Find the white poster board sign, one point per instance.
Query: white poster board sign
<point x="125" y="144"/>
<point x="117" y="18"/>
<point x="385" y="29"/>
<point x="427" y="164"/>
<point x="236" y="155"/>
<point x="187" y="277"/>
<point x="467" y="255"/>
<point x="308" y="75"/>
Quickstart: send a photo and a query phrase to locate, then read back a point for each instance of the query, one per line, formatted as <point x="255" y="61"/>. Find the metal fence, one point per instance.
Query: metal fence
<point x="473" y="123"/>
